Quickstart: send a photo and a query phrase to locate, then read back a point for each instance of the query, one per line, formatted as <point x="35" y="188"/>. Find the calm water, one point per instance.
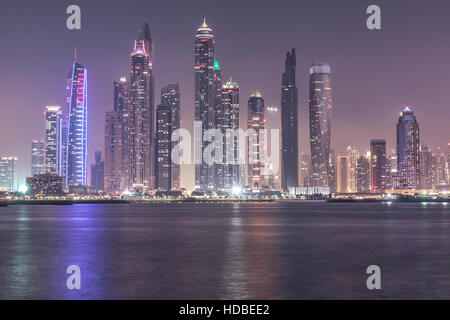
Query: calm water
<point x="225" y="250"/>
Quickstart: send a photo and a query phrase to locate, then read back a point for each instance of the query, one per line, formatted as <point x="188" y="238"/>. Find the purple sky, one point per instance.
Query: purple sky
<point x="374" y="72"/>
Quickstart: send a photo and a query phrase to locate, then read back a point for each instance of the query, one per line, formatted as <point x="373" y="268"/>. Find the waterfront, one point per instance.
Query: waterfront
<point x="241" y="250"/>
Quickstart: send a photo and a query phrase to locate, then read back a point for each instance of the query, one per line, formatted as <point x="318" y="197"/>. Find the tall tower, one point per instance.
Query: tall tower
<point x="8" y="174"/>
<point x="289" y="124"/>
<point x="141" y="113"/>
<point x="76" y="163"/>
<point x="426" y="167"/>
<point x="256" y="122"/>
<point x="408" y="146"/>
<point x="163" y="147"/>
<point x="378" y="165"/>
<point x="230" y="121"/>
<point x="52" y="139"/>
<point x="170" y="96"/>
<point x="37" y="157"/>
<point x="320" y="108"/>
<point x="98" y="173"/>
<point x="205" y="99"/>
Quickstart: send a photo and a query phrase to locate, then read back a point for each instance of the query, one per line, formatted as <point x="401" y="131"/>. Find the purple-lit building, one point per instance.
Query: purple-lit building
<point x="77" y="126"/>
<point x="408" y="146"/>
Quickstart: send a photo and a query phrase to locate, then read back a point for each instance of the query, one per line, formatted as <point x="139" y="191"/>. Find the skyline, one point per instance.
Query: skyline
<point x="433" y="129"/>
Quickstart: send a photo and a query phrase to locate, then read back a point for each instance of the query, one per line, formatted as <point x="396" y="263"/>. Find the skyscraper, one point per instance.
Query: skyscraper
<point x="320" y="109"/>
<point x="408" y="145"/>
<point x="363" y="174"/>
<point x="170" y="96"/>
<point x="230" y="121"/>
<point x="37" y="157"/>
<point x="305" y="169"/>
<point x="77" y="127"/>
<point x="377" y="165"/>
<point x="256" y="122"/>
<point x="353" y="155"/>
<point x="205" y="100"/>
<point x="289" y="124"/>
<point x="52" y="139"/>
<point x="114" y="153"/>
<point x="343" y="181"/>
<point x="141" y="113"/>
<point x="426" y="167"/>
<point x="98" y="173"/>
<point x="8" y="174"/>
<point x="163" y="147"/>
<point x="117" y="140"/>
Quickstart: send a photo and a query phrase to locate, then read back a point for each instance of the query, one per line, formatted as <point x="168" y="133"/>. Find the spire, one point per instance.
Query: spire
<point x="144" y="33"/>
<point x="204" y="25"/>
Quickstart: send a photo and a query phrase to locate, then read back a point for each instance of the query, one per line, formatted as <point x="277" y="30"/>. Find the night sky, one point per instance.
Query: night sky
<point x="375" y="73"/>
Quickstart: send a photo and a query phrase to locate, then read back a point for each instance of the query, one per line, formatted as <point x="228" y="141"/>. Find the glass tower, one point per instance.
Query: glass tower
<point x="141" y="114"/>
<point x="289" y="124"/>
<point x="77" y="127"/>
<point x="52" y="140"/>
<point x="320" y="108"/>
<point x="408" y="146"/>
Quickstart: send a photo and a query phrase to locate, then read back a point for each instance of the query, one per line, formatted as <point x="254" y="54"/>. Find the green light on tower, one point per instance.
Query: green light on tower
<point x="216" y="65"/>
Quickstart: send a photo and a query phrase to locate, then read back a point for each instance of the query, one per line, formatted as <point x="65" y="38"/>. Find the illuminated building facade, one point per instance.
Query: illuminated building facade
<point x="170" y="96"/>
<point x="378" y="165"/>
<point x="116" y="140"/>
<point x="8" y="174"/>
<point x="77" y="127"/>
<point x="45" y="185"/>
<point x="320" y="112"/>
<point x="230" y="121"/>
<point x="140" y="127"/>
<point x="289" y="124"/>
<point x="363" y="174"/>
<point x="255" y="122"/>
<point x="408" y="145"/>
<point x="37" y="157"/>
<point x="205" y="100"/>
<point x="163" y="145"/>
<point x="53" y="140"/>
<point x="343" y="166"/>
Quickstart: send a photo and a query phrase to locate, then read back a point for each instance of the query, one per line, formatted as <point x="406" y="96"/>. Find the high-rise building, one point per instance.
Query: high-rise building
<point x="76" y="164"/>
<point x="116" y="140"/>
<point x="141" y="113"/>
<point x="170" y="96"/>
<point x="218" y="168"/>
<point x="354" y="155"/>
<point x="320" y="109"/>
<point x="332" y="171"/>
<point x="343" y="167"/>
<point x="408" y="145"/>
<point x="8" y="174"/>
<point x="230" y="121"/>
<point x="442" y="169"/>
<point x="37" y="157"/>
<point x="305" y="170"/>
<point x="98" y="173"/>
<point x="289" y="124"/>
<point x="363" y="174"/>
<point x="378" y="165"/>
<point x="205" y="103"/>
<point x="163" y="147"/>
<point x="53" y="140"/>
<point x="426" y="167"/>
<point x="114" y="153"/>
<point x="255" y="122"/>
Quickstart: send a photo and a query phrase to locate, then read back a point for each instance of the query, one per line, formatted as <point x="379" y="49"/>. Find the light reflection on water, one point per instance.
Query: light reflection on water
<point x="225" y="250"/>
